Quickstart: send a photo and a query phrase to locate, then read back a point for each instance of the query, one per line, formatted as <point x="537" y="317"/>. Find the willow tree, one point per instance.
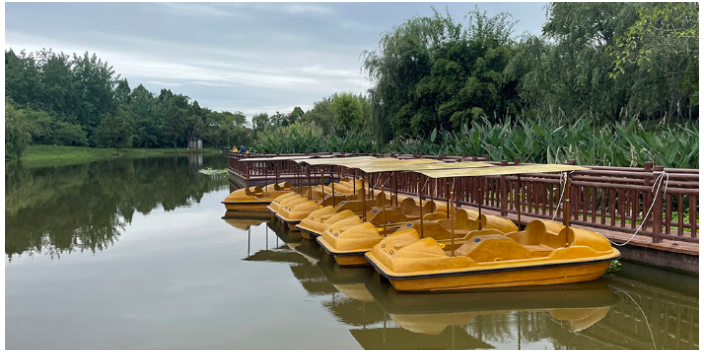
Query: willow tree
<point x="433" y="73"/>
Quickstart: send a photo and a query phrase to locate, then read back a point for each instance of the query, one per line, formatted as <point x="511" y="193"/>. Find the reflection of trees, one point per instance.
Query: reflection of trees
<point x="84" y="207"/>
<point x="577" y="316"/>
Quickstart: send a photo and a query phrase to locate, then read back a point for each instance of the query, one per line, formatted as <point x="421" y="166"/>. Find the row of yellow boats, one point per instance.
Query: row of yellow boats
<point x="576" y="306"/>
<point x="428" y="245"/>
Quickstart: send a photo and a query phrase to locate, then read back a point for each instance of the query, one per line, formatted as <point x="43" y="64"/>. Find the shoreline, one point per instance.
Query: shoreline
<point x="50" y="155"/>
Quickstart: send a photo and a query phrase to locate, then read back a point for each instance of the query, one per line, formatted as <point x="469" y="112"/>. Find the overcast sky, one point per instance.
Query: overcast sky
<point x="249" y="57"/>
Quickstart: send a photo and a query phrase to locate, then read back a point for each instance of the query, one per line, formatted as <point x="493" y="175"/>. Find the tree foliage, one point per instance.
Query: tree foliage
<point x="78" y="99"/>
<point x="431" y="72"/>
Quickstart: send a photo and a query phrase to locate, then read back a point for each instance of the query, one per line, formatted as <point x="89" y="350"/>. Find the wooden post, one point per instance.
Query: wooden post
<point x="657" y="210"/>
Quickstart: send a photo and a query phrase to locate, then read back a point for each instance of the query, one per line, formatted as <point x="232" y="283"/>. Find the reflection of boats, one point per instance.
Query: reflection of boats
<point x="388" y="338"/>
<point x="592" y="295"/>
<point x="243" y="220"/>
<point x="348" y="280"/>
<point x="575" y="306"/>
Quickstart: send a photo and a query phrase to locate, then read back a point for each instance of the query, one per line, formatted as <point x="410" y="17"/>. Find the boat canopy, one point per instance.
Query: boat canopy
<point x="501" y="170"/>
<point x="335" y="161"/>
<point x="424" y="166"/>
<point x="276" y="158"/>
<point x="387" y="162"/>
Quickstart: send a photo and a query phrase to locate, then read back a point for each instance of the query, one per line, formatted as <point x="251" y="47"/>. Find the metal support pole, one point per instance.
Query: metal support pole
<point x="383" y="207"/>
<point x="332" y="184"/>
<point x="479" y="201"/>
<point x="364" y="200"/>
<point x="518" y="206"/>
<point x="451" y="197"/>
<point x="420" y="200"/>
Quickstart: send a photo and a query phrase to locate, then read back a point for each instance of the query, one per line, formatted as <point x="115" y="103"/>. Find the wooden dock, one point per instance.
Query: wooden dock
<point x="608" y="200"/>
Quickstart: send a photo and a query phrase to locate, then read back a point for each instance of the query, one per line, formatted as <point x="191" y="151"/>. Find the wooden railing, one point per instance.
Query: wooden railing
<point x="610" y="198"/>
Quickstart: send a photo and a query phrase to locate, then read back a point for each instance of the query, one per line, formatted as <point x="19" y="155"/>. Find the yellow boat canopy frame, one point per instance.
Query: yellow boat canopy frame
<point x="500" y="171"/>
<point x="277" y="158"/>
<point x="426" y="166"/>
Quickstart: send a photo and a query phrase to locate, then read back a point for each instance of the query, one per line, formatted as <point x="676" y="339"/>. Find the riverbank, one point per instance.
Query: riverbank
<point x="45" y="155"/>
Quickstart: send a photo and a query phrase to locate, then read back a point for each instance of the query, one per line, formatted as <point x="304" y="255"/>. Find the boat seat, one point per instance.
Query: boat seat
<point x="491" y="248"/>
<point x="540" y="250"/>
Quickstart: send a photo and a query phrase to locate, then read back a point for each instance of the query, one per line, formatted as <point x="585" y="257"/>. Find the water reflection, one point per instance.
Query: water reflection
<point x="55" y="210"/>
<point x="638" y="308"/>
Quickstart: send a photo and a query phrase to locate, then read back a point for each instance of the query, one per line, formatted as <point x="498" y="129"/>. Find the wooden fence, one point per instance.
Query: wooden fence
<point x="610" y="198"/>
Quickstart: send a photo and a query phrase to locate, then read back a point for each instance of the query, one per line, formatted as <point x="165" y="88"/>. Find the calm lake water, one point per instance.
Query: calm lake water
<point x="140" y="254"/>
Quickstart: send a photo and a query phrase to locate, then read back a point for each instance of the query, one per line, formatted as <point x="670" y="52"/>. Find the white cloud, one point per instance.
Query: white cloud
<point x="196" y="9"/>
<point x="167" y="84"/>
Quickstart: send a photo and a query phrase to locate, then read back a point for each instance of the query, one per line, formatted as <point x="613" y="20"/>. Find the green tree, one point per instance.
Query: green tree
<point x="348" y="113"/>
<point x="260" y="122"/>
<point x="322" y="115"/>
<point x="17" y="135"/>
<point x="433" y="73"/>
<point x="663" y="41"/>
<point x="115" y="131"/>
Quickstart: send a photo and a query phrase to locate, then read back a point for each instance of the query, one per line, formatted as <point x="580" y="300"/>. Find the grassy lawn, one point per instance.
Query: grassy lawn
<point x="49" y="155"/>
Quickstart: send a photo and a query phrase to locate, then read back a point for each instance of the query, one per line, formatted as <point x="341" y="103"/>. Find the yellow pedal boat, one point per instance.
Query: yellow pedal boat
<point x="255" y="198"/>
<point x="349" y="245"/>
<point x="544" y="253"/>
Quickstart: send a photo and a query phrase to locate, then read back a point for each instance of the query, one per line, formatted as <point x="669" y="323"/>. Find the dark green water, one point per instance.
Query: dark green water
<point x="139" y="254"/>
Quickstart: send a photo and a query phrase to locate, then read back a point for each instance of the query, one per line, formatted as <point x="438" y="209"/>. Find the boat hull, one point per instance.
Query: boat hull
<point x="537" y="275"/>
<point x="246" y="206"/>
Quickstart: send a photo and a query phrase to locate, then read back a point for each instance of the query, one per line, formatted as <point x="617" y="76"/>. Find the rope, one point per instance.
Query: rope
<point x="652" y="338"/>
<point x="662" y="176"/>
<point x="563" y="181"/>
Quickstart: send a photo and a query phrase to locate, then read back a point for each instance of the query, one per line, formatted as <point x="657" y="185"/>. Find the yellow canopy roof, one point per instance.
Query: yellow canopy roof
<point x="334" y="161"/>
<point x="387" y="162"/>
<point x="428" y="166"/>
<point x="274" y="158"/>
<point x="501" y="170"/>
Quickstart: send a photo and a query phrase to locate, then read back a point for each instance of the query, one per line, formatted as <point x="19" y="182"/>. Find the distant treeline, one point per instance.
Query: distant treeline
<point x="53" y="98"/>
<point x="595" y="65"/>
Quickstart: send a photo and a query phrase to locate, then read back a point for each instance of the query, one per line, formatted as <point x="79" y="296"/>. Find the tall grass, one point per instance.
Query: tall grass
<point x="531" y="140"/>
<point x="302" y="138"/>
<point x="548" y="141"/>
